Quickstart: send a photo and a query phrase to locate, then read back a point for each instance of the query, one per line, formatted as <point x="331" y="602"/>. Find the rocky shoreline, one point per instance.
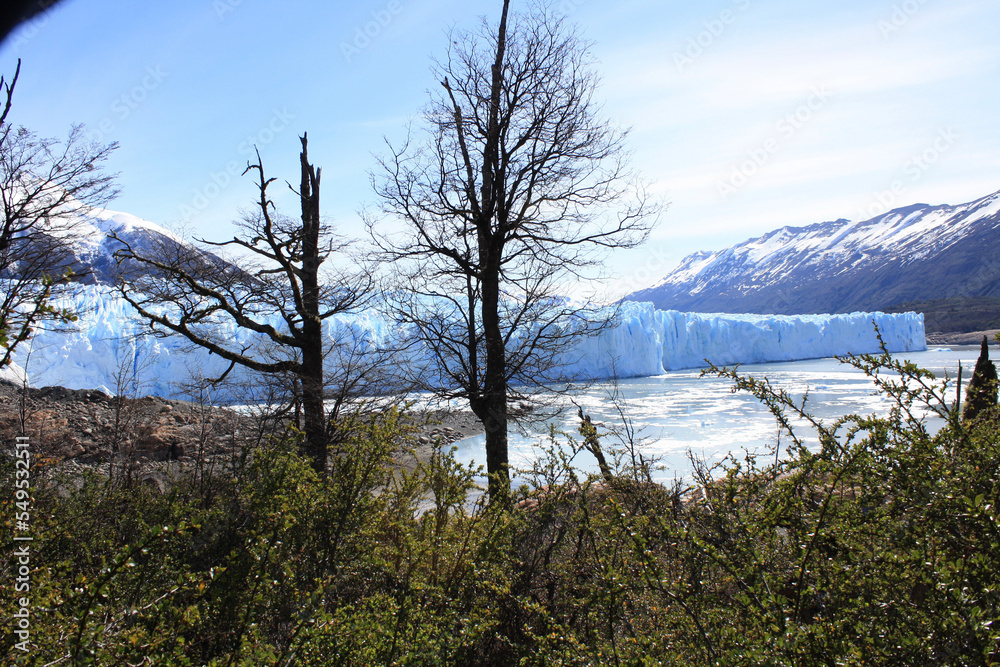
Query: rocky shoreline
<point x="155" y="439"/>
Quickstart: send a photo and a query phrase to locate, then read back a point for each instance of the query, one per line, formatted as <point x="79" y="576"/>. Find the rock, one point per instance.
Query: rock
<point x="154" y="441"/>
<point x="156" y="481"/>
<point x="86" y="429"/>
<point x="176" y="450"/>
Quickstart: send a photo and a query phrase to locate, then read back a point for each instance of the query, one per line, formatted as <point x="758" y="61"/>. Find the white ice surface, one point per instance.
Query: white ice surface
<point x="102" y="351"/>
<point x="649" y="341"/>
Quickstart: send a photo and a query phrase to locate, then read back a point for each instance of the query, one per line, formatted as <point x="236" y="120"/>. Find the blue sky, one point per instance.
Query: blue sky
<point x="746" y="115"/>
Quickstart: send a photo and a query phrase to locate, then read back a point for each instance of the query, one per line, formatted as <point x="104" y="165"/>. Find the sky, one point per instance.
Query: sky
<point x="745" y="115"/>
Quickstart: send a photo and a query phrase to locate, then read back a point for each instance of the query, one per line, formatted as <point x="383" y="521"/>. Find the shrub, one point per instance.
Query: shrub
<point x="878" y="543"/>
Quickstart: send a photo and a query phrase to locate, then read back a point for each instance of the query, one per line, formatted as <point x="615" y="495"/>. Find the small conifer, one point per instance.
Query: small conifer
<point x="982" y="391"/>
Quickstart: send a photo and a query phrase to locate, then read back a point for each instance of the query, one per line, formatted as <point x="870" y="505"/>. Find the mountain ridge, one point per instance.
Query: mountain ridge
<point x="83" y="244"/>
<point x="914" y="253"/>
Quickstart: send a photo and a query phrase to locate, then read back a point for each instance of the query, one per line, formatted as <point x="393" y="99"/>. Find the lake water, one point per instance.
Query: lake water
<point x="680" y="412"/>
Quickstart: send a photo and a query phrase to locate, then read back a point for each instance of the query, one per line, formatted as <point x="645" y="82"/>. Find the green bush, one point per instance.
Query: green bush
<point x="878" y="544"/>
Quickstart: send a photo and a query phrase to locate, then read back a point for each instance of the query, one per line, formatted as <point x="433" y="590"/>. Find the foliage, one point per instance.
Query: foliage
<point x="876" y="543"/>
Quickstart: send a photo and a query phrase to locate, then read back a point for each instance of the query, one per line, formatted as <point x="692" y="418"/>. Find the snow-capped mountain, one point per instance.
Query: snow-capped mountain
<point x="84" y="245"/>
<point x="915" y="253"/>
<point x="95" y="248"/>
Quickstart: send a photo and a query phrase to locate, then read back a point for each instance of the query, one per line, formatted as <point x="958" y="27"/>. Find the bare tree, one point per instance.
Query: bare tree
<point x="512" y="194"/>
<point x="130" y="421"/>
<point x="45" y="187"/>
<point x="199" y="294"/>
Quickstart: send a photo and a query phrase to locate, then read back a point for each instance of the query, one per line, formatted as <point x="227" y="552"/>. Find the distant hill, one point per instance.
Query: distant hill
<point x="88" y="249"/>
<point x="960" y="315"/>
<point x="912" y="255"/>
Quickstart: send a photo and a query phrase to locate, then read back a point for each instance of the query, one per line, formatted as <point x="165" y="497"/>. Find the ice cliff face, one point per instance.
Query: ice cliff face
<point x="649" y="341"/>
<point x="109" y="348"/>
<point x="105" y="351"/>
<point x="909" y="254"/>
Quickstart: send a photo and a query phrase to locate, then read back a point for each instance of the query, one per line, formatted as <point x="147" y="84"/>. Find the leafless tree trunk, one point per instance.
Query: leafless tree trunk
<point x="200" y="292"/>
<point x="511" y="197"/>
<point x="45" y="188"/>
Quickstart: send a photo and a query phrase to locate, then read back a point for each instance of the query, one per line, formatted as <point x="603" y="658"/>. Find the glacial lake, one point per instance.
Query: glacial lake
<point x="680" y="412"/>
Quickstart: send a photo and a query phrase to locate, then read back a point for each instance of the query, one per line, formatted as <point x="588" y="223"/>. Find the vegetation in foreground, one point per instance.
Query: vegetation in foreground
<point x="879" y="546"/>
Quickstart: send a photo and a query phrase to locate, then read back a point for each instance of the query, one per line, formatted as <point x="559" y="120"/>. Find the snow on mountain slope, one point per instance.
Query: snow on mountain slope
<point x="95" y="248"/>
<point x="104" y="352"/>
<point x="908" y="254"/>
<point x="83" y="243"/>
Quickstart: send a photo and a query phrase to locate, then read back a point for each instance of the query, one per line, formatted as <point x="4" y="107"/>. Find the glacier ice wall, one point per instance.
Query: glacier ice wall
<point x="648" y="341"/>
<point x="104" y="352"/>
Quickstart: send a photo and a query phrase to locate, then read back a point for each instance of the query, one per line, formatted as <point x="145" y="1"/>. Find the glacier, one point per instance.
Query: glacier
<point x="648" y="341"/>
<point x="105" y="350"/>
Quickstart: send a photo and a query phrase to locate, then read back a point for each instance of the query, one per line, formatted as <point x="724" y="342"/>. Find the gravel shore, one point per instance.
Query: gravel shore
<point x="79" y="429"/>
<point x="447" y="425"/>
<point x="971" y="338"/>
